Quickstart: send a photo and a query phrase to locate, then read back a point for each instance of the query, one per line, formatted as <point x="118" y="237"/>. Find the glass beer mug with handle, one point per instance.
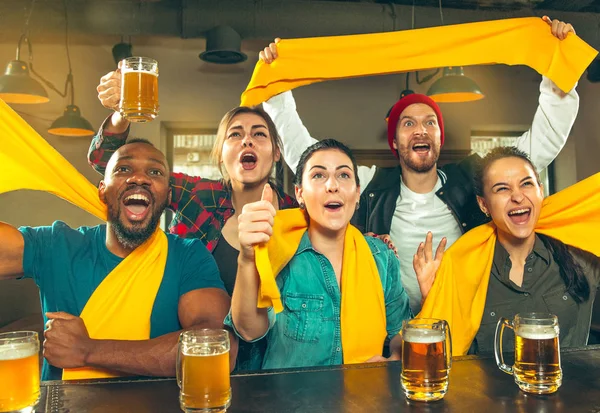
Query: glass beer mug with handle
<point x="19" y="371"/>
<point x="139" y="89"/>
<point x="203" y="371"/>
<point x="537" y="352"/>
<point x="426" y="358"/>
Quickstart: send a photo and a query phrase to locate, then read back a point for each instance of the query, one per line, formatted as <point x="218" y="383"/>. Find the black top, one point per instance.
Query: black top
<point x="542" y="290"/>
<point x="378" y="200"/>
<point x="249" y="354"/>
<point x="226" y="257"/>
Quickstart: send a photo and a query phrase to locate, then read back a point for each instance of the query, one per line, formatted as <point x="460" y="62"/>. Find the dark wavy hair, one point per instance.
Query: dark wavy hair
<point x="323" y="145"/>
<point x="572" y="274"/>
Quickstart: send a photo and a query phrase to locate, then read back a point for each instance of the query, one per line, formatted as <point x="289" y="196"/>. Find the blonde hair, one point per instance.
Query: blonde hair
<point x="217" y="150"/>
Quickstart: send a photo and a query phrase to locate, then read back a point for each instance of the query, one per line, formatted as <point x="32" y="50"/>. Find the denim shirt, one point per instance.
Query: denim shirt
<point x="308" y="331"/>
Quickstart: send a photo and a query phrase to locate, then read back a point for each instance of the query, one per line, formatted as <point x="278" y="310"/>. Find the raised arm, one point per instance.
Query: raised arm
<point x="11" y="252"/>
<point x="114" y="129"/>
<point x="554" y="116"/>
<point x="282" y="109"/>
<point x="255" y="225"/>
<point x="294" y="135"/>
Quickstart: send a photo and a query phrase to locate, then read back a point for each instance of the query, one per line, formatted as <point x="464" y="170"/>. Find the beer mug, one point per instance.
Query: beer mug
<point x="19" y="371"/>
<point x="537" y="352"/>
<point x="203" y="371"/>
<point x="426" y="358"/>
<point x="139" y="89"/>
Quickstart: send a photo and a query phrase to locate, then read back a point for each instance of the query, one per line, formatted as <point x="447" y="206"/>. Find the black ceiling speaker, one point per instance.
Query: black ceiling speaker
<point x="593" y="71"/>
<point x="120" y="51"/>
<point x="223" y="46"/>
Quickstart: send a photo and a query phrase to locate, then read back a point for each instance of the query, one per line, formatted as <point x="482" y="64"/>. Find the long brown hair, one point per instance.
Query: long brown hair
<point x="217" y="151"/>
<point x="571" y="272"/>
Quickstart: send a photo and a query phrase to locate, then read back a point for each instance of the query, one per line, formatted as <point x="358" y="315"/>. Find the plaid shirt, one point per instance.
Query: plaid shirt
<point x="201" y="206"/>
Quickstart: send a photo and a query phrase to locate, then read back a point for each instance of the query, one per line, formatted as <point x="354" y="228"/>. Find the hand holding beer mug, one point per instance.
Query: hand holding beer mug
<point x="203" y="371"/>
<point x="19" y="371"/>
<point x="139" y="89"/>
<point x="426" y="358"/>
<point x="537" y="353"/>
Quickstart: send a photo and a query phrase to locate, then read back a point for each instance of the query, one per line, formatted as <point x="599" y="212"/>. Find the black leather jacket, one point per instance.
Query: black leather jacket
<point x="378" y="200"/>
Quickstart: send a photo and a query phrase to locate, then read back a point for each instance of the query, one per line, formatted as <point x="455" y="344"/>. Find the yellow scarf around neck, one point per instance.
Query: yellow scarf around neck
<point x="363" y="316"/>
<point x="121" y="306"/>
<point x="459" y="292"/>
<point x="521" y="41"/>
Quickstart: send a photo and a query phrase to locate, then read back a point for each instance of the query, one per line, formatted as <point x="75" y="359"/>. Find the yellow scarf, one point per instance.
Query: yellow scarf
<point x="459" y="291"/>
<point x="522" y="41"/>
<point x="120" y="307"/>
<point x="363" y="320"/>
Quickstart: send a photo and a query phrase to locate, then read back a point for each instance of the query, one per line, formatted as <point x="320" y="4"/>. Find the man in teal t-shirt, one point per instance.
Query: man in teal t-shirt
<point x="68" y="265"/>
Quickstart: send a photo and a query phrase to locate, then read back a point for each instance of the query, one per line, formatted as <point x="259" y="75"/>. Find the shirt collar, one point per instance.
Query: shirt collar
<point x="227" y="203"/>
<point x="540" y="249"/>
<point x="305" y="244"/>
<point x="502" y="259"/>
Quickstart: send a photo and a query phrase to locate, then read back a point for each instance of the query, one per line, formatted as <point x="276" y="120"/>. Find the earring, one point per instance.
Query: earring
<point x="357" y="205"/>
<point x="487" y="214"/>
<point x="301" y="205"/>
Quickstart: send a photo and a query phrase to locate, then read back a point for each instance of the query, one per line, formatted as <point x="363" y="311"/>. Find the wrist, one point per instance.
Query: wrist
<point x="245" y="259"/>
<point x="90" y="351"/>
<point x="117" y="123"/>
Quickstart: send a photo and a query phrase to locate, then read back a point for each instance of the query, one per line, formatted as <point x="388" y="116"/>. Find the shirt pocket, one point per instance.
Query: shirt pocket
<point x="561" y="304"/>
<point x="489" y="321"/>
<point x="304" y="320"/>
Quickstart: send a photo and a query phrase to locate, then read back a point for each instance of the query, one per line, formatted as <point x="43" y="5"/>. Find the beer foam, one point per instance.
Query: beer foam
<point x="423" y="336"/>
<point x="139" y="71"/>
<point x="537" y="332"/>
<point x="202" y="351"/>
<point x="17" y="351"/>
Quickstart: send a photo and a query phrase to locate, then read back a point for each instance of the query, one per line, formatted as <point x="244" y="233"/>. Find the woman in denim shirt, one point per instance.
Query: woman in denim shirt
<point x="308" y="332"/>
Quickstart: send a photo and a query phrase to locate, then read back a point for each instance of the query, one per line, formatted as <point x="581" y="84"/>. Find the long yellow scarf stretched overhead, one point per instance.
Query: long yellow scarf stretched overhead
<point x="521" y="41"/>
<point x="459" y="292"/>
<point x="363" y="320"/>
<point x="120" y="307"/>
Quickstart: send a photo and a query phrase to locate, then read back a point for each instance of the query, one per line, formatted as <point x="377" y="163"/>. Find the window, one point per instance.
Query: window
<point x="191" y="154"/>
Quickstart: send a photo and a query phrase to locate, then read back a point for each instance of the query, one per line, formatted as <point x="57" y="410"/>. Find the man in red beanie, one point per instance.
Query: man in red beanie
<point x="417" y="197"/>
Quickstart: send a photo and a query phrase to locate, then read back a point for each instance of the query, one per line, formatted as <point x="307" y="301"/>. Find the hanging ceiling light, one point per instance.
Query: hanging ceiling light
<point x="454" y="86"/>
<point x="71" y="123"/>
<point x="16" y="85"/>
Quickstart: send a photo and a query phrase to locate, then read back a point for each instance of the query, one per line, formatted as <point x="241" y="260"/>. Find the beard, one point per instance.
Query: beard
<point x="420" y="166"/>
<point x="131" y="237"/>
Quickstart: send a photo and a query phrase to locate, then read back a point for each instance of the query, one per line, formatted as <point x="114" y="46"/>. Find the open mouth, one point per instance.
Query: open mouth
<point x="334" y="206"/>
<point x="421" y="147"/>
<point x="248" y="160"/>
<point x="519" y="215"/>
<point x="137" y="206"/>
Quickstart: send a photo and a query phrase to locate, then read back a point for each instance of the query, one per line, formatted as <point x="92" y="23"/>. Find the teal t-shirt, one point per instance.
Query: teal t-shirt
<point x="68" y="264"/>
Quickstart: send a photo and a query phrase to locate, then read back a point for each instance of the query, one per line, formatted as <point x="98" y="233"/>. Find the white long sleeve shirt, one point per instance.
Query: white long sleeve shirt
<point x="416" y="214"/>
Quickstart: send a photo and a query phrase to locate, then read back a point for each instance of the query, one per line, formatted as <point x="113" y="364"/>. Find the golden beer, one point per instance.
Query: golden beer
<point x="19" y="371"/>
<point x="203" y="371"/>
<point x="139" y="89"/>
<point x="425" y="363"/>
<point x="537" y="352"/>
<point x="537" y="360"/>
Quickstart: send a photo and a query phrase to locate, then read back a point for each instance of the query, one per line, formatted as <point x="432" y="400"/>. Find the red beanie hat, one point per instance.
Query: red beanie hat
<point x="402" y="104"/>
